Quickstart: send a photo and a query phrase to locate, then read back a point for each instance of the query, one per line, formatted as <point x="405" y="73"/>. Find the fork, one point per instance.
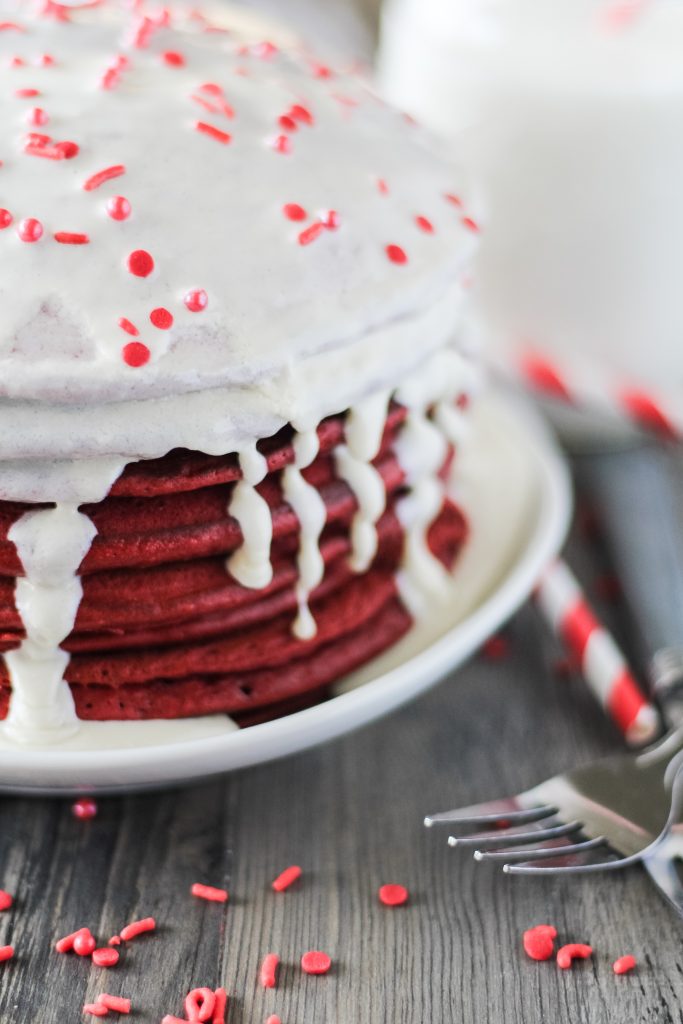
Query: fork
<point x="616" y="810"/>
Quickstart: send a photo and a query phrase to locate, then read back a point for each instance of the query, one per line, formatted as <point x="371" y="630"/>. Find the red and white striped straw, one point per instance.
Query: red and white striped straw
<point x="563" y="604"/>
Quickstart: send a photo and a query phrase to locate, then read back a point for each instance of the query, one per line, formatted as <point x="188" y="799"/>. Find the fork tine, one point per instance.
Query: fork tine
<point x="505" y="838"/>
<point x="542" y="854"/>
<point x="470" y="816"/>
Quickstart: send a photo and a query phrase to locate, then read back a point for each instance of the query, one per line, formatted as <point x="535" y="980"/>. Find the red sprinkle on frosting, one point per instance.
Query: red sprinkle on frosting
<point x="424" y="225"/>
<point x="5" y="219"/>
<point x="161" y="318"/>
<point x="128" y="327"/>
<point x="293" y="211"/>
<point x="71" y="238"/>
<point x="470" y="224"/>
<point x="134" y="354"/>
<point x="310" y="233"/>
<point x="287" y="122"/>
<point x="196" y="300"/>
<point x="392" y="895"/>
<point x="68" y="149"/>
<point x="215" y="133"/>
<point x="330" y="219"/>
<point x="396" y="254"/>
<point x="282" y="144"/>
<point x="300" y="113"/>
<point x="315" y="962"/>
<point x="95" y="180"/>
<point x="26" y="93"/>
<point x="37" y="117"/>
<point x="173" y="59"/>
<point x="118" y="208"/>
<point x="30" y="229"/>
<point x="452" y="199"/>
<point x="140" y="263"/>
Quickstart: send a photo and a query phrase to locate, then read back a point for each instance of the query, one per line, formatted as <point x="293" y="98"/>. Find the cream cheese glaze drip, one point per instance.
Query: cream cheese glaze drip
<point x="203" y="238"/>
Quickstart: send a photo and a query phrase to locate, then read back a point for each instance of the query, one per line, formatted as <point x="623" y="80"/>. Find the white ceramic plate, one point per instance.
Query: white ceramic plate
<point x="515" y="489"/>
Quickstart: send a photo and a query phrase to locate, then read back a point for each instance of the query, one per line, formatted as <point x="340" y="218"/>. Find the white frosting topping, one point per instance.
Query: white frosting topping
<point x="250" y="564"/>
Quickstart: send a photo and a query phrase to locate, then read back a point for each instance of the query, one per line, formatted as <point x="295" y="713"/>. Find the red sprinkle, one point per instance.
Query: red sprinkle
<point x="282" y="144"/>
<point x="5" y="219"/>
<point x="119" y="1004"/>
<point x="310" y="233"/>
<point x="173" y="59"/>
<point x="267" y="975"/>
<point x="84" y="944"/>
<point x="393" y="895"/>
<point x="293" y="211"/>
<point x="215" y="133"/>
<point x="161" y="318"/>
<point x="196" y="300"/>
<point x="219" y="1009"/>
<point x="128" y="327"/>
<point x="115" y="940"/>
<point x="118" y="208"/>
<point x="496" y="647"/>
<point x="135" y="353"/>
<point x="30" y="229"/>
<point x="46" y="60"/>
<point x="470" y="224"/>
<point x="288" y="876"/>
<point x="624" y="964"/>
<point x="396" y="254"/>
<point x="105" y="957"/>
<point x="147" y="924"/>
<point x="200" y="1004"/>
<point x="66" y="944"/>
<point x="68" y="149"/>
<point x="572" y="951"/>
<point x="212" y="88"/>
<point x="5" y="900"/>
<point x="453" y="200"/>
<point x="208" y="892"/>
<point x="315" y="962"/>
<point x="37" y="117"/>
<point x="539" y="942"/>
<point x="300" y="113"/>
<point x="95" y="180"/>
<point x="140" y="263"/>
<point x="26" y="93"/>
<point x="330" y="219"/>
<point x="84" y="809"/>
<point x="96" y="1009"/>
<point x="6" y="953"/>
<point x="71" y="238"/>
<point x="273" y="1019"/>
<point x="424" y="225"/>
<point x="382" y="187"/>
<point x="287" y="122"/>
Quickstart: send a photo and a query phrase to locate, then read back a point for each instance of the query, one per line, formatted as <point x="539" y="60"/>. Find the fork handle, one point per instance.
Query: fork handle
<point x="636" y="497"/>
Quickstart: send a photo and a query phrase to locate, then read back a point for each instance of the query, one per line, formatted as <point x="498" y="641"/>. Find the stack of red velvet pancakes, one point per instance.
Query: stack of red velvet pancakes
<point x="231" y="387"/>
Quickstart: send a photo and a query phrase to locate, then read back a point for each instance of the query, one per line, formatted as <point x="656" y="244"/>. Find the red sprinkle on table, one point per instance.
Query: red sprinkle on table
<point x="5" y="900"/>
<point x="219" y="1009"/>
<point x="119" y="1004"/>
<point x="66" y="944"/>
<point x="115" y="940"/>
<point x="310" y="233"/>
<point x="140" y="263"/>
<point x="315" y="962"/>
<point x="30" y="229"/>
<point x="6" y="953"/>
<point x="71" y="238"/>
<point x="572" y="951"/>
<point x="84" y="943"/>
<point x="424" y="225"/>
<point x="393" y="895"/>
<point x="106" y="174"/>
<point x="106" y="956"/>
<point x="273" y="1019"/>
<point x="209" y="892"/>
<point x="128" y="327"/>
<point x="286" y="878"/>
<point x="96" y="1009"/>
<point x="135" y="353"/>
<point x="161" y="318"/>
<point x="118" y="208"/>
<point x="293" y="211"/>
<point x="200" y="1004"/>
<point x="147" y="924"/>
<point x="267" y="974"/>
<point x="624" y="964"/>
<point x="173" y="59"/>
<point x="539" y="942"/>
<point x="196" y="300"/>
<point x="5" y="219"/>
<point x="84" y="809"/>
<point x="396" y="254"/>
<point x="215" y="133"/>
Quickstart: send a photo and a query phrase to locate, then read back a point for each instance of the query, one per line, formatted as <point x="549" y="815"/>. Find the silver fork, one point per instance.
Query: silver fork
<point x="614" y="810"/>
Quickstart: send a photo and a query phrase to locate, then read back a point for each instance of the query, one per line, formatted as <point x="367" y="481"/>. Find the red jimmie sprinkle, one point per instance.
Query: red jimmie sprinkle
<point x="200" y="1004"/>
<point x="105" y="957"/>
<point x="17" y="62"/>
<point x="84" y="809"/>
<point x="310" y="233"/>
<point x="140" y="263"/>
<point x="147" y="924"/>
<point x="196" y="300"/>
<point x="286" y="878"/>
<point x="315" y="962"/>
<point x="396" y="254"/>
<point x="119" y="1004"/>
<point x="128" y="327"/>
<point x="84" y="944"/>
<point x="282" y="144"/>
<point x="539" y="942"/>
<point x="219" y="1009"/>
<point x="273" y="1019"/>
<point x="37" y="117"/>
<point x="30" y="229"/>
<point x="215" y="133"/>
<point x="66" y="944"/>
<point x="330" y="219"/>
<point x="624" y="964"/>
<point x="135" y="354"/>
<point x="106" y="174"/>
<point x="5" y="219"/>
<point x="6" y="953"/>
<point x="393" y="895"/>
<point x="173" y="59"/>
<point x="572" y="951"/>
<point x="96" y="1009"/>
<point x="115" y="940"/>
<point x="470" y="224"/>
<point x="46" y="60"/>
<point x="71" y="238"/>
<point x="68" y="149"/>
<point x="26" y="93"/>
<point x="293" y="211"/>
<point x="382" y="187"/>
<point x="287" y="122"/>
<point x="212" y="88"/>
<point x="118" y="208"/>
<point x="161" y="318"/>
<point x="424" y="225"/>
<point x="453" y="200"/>
<point x="5" y="900"/>
<point x="267" y="974"/>
<point x="300" y="113"/>
<point x="209" y="892"/>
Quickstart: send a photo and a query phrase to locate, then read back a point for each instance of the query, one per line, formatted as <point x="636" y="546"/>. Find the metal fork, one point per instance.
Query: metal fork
<point x="614" y="810"/>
